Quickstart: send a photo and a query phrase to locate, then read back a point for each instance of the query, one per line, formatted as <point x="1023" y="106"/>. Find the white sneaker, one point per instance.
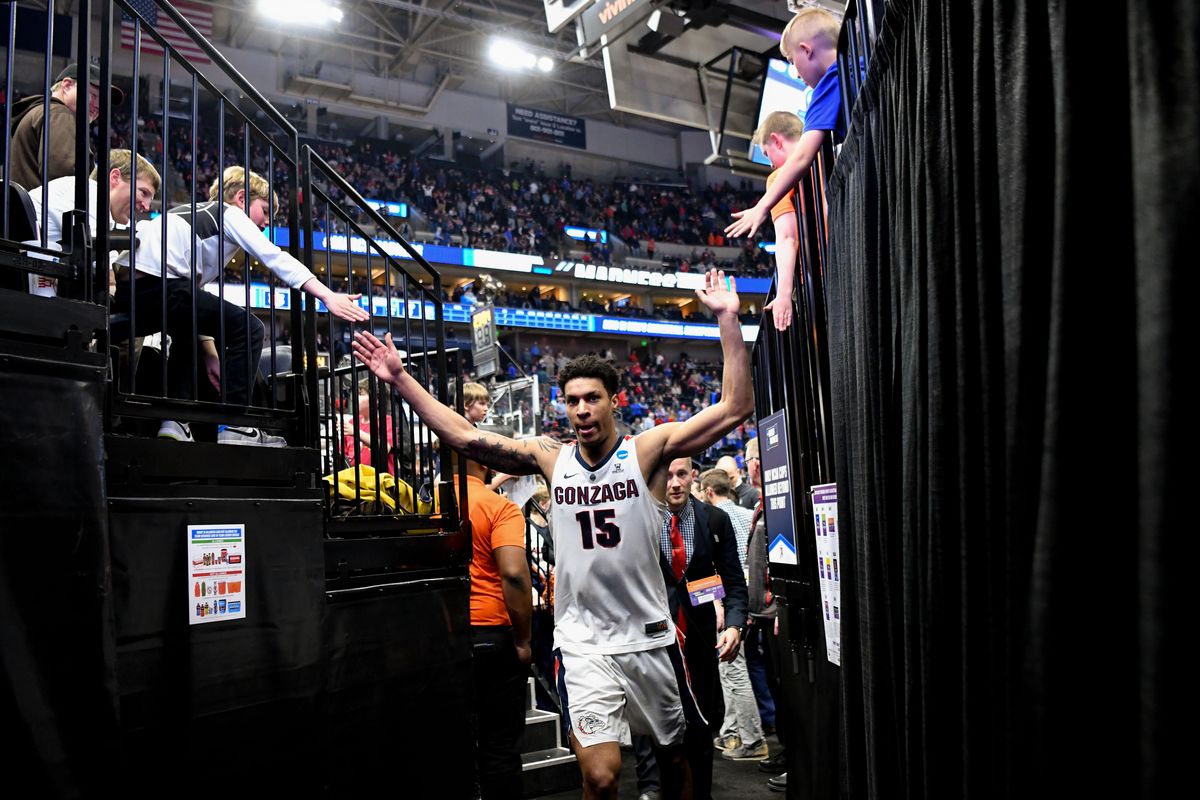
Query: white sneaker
<point x="250" y="436"/>
<point x="179" y="431"/>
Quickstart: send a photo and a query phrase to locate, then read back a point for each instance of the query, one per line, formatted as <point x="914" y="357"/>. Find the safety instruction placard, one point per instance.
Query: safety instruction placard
<point x="216" y="572"/>
<point x="826" y="526"/>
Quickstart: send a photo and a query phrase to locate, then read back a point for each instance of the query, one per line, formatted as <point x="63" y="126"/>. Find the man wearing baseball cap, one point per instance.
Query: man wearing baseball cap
<point x="29" y="117"/>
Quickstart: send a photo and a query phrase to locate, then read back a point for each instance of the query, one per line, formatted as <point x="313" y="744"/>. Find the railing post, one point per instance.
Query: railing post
<point x="311" y="413"/>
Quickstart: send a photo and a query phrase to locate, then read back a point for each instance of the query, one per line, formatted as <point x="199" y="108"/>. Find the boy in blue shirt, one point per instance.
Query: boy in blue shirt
<point x="809" y="43"/>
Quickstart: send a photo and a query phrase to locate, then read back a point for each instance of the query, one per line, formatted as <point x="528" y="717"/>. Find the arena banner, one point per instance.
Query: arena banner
<point x="610" y="19"/>
<point x="653" y="279"/>
<point x="778" y="499"/>
<point x="460" y="313"/>
<point x="546" y="126"/>
<point x="435" y="254"/>
<point x="520" y="262"/>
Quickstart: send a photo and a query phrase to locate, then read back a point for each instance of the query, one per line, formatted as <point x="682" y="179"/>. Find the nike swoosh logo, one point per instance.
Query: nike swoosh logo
<point x="572" y="475"/>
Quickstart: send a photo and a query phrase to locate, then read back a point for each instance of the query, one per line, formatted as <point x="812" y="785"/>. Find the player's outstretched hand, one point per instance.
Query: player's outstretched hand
<point x="381" y="357"/>
<point x="719" y="293"/>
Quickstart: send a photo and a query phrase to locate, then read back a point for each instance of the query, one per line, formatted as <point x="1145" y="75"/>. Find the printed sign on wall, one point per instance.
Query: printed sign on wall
<point x="830" y="571"/>
<point x="216" y="572"/>
<point x="546" y="126"/>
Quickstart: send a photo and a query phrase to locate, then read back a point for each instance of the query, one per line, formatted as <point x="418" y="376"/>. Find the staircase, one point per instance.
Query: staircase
<point x="547" y="766"/>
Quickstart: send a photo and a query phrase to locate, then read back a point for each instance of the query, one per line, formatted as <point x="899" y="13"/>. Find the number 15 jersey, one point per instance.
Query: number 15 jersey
<point x="609" y="592"/>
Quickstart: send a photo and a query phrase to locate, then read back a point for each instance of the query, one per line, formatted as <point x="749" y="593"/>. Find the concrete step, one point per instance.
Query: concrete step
<point x="548" y="771"/>
<point x="542" y="731"/>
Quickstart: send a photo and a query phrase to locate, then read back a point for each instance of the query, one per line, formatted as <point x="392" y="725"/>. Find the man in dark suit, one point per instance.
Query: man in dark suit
<point x="697" y="542"/>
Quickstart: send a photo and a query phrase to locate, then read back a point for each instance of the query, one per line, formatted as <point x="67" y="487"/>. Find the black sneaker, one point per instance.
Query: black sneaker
<point x="774" y="764"/>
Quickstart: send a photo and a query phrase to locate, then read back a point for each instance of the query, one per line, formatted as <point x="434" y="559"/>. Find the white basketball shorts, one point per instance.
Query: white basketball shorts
<point x="648" y="691"/>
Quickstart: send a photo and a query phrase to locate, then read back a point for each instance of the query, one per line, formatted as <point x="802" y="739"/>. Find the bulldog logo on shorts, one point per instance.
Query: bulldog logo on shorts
<point x="589" y="723"/>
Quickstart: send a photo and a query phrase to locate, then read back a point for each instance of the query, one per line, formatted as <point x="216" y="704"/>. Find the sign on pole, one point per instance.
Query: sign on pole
<point x="483" y="336"/>
<point x="777" y="488"/>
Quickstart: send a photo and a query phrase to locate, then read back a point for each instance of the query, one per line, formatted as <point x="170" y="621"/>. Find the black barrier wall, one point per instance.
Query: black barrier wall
<point x="56" y="618"/>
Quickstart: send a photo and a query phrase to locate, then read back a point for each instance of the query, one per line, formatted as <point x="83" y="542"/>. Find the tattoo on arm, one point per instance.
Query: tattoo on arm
<point x="548" y="445"/>
<point x="502" y="455"/>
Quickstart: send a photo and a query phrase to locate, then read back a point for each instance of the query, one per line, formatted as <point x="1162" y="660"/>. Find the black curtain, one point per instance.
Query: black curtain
<point x="58" y="685"/>
<point x="1164" y="41"/>
<point x="1006" y="289"/>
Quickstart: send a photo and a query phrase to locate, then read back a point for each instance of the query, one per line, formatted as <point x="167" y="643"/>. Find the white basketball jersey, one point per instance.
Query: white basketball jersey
<point x="609" y="592"/>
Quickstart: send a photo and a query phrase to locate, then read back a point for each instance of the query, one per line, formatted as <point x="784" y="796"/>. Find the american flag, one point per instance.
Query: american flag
<point x="200" y="16"/>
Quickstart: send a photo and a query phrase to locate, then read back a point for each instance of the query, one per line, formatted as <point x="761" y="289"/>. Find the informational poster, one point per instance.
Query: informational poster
<point x="777" y="488"/>
<point x="546" y="126"/>
<point x="216" y="572"/>
<point x="825" y="515"/>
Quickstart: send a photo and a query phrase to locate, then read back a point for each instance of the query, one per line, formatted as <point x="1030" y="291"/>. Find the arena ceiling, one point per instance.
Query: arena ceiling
<point x="444" y="43"/>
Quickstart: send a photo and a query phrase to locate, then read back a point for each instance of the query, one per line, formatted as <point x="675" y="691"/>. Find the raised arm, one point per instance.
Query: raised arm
<point x="659" y="445"/>
<point x="514" y="456"/>
<point x="247" y="235"/>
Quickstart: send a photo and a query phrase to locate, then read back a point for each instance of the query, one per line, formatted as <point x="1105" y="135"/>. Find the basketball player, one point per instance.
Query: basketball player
<point x="619" y="660"/>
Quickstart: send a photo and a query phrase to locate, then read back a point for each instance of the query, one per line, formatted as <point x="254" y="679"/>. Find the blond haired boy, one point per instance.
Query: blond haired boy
<point x="778" y="137"/>
<point x="809" y="43"/>
<point x="218" y="230"/>
<point x="122" y="196"/>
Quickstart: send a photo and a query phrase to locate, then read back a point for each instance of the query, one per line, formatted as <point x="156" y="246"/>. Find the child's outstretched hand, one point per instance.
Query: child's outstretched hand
<point x="748" y="222"/>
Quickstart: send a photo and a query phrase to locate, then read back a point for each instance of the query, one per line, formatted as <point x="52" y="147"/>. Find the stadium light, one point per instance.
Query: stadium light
<point x="301" y="12"/>
<point x="511" y="55"/>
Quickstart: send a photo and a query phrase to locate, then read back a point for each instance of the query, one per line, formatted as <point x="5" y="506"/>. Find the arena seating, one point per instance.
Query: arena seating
<point x="519" y="209"/>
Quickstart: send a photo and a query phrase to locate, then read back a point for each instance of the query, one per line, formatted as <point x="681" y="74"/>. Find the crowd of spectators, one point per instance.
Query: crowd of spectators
<point x="520" y="208"/>
<point x="523" y="209"/>
<point x="651" y="393"/>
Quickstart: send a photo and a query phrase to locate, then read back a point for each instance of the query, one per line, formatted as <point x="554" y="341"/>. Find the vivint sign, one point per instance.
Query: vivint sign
<point x="636" y="277"/>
